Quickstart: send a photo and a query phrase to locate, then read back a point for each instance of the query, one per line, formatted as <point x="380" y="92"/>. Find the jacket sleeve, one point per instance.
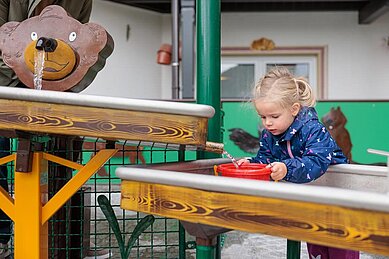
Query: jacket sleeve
<point x="4" y="9"/>
<point x="264" y="155"/>
<point x="85" y="12"/>
<point x="316" y="157"/>
<point x="7" y="76"/>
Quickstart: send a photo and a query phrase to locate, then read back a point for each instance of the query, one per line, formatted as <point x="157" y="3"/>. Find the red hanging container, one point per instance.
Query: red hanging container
<point x="164" y="56"/>
<point x="248" y="171"/>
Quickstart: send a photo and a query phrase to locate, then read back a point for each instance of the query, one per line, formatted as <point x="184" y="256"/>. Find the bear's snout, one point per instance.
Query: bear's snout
<point x="59" y="58"/>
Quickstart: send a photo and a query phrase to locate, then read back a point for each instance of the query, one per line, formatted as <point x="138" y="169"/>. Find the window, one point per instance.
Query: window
<point x="242" y="68"/>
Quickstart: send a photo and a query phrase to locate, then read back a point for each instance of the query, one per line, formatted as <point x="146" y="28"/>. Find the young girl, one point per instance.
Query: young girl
<point x="297" y="147"/>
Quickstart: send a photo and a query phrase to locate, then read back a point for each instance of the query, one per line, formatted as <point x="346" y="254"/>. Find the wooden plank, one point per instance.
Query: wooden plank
<point x="325" y="224"/>
<point x="104" y="123"/>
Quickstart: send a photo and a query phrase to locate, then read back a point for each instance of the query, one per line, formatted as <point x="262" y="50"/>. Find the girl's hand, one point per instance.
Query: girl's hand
<point x="278" y="170"/>
<point x="243" y="161"/>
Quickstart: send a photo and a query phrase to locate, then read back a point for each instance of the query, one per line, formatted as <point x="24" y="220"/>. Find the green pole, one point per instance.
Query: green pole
<point x="181" y="229"/>
<point x="293" y="249"/>
<point x="208" y="65"/>
<point x="208" y="84"/>
<point x="181" y="241"/>
<point x="205" y="252"/>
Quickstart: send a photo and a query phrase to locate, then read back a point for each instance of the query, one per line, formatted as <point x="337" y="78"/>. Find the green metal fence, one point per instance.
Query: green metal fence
<point x="79" y="229"/>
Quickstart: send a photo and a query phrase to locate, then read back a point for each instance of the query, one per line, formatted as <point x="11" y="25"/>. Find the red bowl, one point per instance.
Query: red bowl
<point x="248" y="171"/>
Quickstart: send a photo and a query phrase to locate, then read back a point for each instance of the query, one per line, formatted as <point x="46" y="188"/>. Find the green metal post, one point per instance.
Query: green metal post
<point x="208" y="65"/>
<point x="208" y="84"/>
<point x="181" y="242"/>
<point x="205" y="252"/>
<point x="293" y="249"/>
<point x="181" y="229"/>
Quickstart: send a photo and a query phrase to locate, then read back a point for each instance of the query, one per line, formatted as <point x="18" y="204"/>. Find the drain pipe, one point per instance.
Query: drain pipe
<point x="187" y="48"/>
<point x="175" y="50"/>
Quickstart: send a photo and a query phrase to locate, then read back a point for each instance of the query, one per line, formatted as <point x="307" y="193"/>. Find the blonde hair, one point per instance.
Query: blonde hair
<point x="280" y="86"/>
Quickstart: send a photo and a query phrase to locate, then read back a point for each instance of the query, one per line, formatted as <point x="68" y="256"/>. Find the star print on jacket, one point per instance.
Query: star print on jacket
<point x="312" y="147"/>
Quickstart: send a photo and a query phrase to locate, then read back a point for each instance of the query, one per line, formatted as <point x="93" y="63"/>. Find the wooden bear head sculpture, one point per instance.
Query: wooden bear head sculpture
<point x="73" y="52"/>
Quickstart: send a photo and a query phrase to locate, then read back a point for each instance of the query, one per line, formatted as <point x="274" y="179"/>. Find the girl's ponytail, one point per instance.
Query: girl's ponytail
<point x="304" y="92"/>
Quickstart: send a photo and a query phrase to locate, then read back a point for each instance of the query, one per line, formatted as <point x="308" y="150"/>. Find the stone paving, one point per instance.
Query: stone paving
<point x="257" y="246"/>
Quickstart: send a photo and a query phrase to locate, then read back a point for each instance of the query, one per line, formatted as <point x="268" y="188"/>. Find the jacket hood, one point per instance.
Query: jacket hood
<point x="305" y="115"/>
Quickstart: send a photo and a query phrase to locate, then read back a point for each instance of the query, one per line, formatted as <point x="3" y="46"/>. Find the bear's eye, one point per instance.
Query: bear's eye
<point x="72" y="36"/>
<point x="34" y="35"/>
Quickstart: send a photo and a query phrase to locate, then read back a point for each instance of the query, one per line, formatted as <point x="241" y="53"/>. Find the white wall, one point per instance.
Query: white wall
<point x="131" y="70"/>
<point x="358" y="57"/>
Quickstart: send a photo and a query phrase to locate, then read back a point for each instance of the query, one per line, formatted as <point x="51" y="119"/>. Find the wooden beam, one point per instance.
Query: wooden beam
<point x="100" y="122"/>
<point x="372" y="11"/>
<point x="284" y="1"/>
<point x="163" y="6"/>
<point x="325" y="224"/>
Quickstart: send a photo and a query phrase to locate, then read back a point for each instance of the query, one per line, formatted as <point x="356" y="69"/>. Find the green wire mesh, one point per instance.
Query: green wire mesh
<point x="79" y="229"/>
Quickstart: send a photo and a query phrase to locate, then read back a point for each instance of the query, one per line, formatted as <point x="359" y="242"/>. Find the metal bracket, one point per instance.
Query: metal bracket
<point x="190" y="245"/>
<point x="380" y="152"/>
<point x="24" y="156"/>
<point x="27" y="144"/>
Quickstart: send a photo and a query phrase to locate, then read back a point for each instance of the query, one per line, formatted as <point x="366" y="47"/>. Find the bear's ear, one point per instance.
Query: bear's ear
<point x="5" y="40"/>
<point x="98" y="31"/>
<point x="6" y="31"/>
<point x="52" y="10"/>
<point x="103" y="42"/>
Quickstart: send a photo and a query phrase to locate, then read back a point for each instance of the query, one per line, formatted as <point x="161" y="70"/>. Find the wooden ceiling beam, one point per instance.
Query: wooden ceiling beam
<point x="288" y="6"/>
<point x="369" y="10"/>
<point x="372" y="11"/>
<point x="285" y="1"/>
<point x="237" y="1"/>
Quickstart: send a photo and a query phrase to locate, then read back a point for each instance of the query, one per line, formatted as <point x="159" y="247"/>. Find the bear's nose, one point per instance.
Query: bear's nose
<point x="46" y="44"/>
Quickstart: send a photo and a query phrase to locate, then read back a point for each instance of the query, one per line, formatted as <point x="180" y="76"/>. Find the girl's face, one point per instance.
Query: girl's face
<point x="275" y="118"/>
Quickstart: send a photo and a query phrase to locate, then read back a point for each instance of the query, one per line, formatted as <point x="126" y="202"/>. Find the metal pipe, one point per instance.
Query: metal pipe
<point x="44" y="96"/>
<point x="175" y="50"/>
<point x="214" y="147"/>
<point x="187" y="52"/>
<point x="46" y="44"/>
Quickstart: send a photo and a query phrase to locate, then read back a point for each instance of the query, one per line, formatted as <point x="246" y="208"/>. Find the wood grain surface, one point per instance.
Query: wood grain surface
<point x="324" y="224"/>
<point x="48" y="118"/>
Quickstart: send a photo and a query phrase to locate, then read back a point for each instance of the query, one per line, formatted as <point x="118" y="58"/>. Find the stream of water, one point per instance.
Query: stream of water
<point x="39" y="64"/>
<point x="232" y="158"/>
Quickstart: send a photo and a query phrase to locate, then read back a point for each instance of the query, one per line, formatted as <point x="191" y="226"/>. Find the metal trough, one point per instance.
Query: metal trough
<point x="347" y="176"/>
<point x="348" y="207"/>
<point x="363" y="178"/>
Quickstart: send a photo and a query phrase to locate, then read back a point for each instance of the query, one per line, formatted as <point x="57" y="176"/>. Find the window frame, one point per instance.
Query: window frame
<point x="318" y="53"/>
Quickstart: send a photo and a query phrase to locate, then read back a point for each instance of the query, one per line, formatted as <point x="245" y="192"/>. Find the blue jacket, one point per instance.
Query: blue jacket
<point x="311" y="148"/>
